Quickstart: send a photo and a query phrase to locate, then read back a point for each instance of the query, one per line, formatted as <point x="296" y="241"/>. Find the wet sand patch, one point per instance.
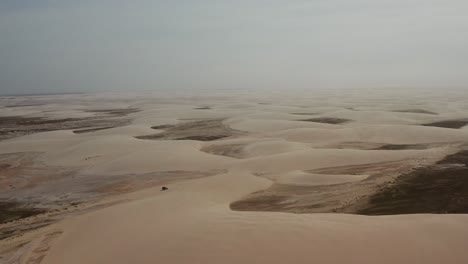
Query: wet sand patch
<point x="51" y="187"/>
<point x="130" y="183"/>
<point x="327" y="120"/>
<point x="454" y="124"/>
<point x="31" y="191"/>
<point x="82" y="193"/>
<point x="37" y="255"/>
<point x="202" y="130"/>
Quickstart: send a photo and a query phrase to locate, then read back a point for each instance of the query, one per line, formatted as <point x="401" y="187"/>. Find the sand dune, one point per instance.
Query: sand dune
<point x="252" y="148"/>
<point x="247" y="196"/>
<point x="310" y="179"/>
<point x="192" y="225"/>
<point x="391" y="134"/>
<point x="254" y="125"/>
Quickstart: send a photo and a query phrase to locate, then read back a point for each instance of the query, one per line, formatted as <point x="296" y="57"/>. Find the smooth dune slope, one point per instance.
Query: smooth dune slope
<point x="273" y="152"/>
<point x="192" y="224"/>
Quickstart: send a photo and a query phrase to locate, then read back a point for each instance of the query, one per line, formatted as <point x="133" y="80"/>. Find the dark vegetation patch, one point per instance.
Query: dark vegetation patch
<point x="319" y="198"/>
<point x="355" y="145"/>
<point x="116" y="111"/>
<point x="383" y="146"/>
<point x="203" y="138"/>
<point x="162" y="127"/>
<point x="89" y="130"/>
<point x="199" y="138"/>
<point x="439" y="188"/>
<point x="416" y="111"/>
<point x="44" y="121"/>
<point x="23" y="105"/>
<point x="291" y="199"/>
<point x="203" y="108"/>
<point x="27" y="121"/>
<point x="15" y="126"/>
<point x="403" y="146"/>
<point x="261" y="203"/>
<point x="228" y="150"/>
<point x="327" y="120"/>
<point x="202" y="130"/>
<point x="22" y="228"/>
<point x="454" y="124"/>
<point x="11" y="211"/>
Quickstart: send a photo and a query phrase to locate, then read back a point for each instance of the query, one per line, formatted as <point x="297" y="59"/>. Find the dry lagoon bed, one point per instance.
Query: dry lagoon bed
<point x="316" y="177"/>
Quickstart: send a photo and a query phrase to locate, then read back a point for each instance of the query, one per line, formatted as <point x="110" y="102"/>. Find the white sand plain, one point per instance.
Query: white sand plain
<point x="192" y="221"/>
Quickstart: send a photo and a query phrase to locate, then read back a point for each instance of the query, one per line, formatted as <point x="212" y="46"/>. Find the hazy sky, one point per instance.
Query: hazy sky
<point x="102" y="45"/>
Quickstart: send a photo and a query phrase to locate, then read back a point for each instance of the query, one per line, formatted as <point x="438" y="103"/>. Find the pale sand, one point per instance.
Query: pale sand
<point x="192" y="224"/>
<point x="192" y="221"/>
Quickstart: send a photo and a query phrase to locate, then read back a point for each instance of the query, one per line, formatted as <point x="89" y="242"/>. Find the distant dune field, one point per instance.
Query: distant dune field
<point x="251" y="177"/>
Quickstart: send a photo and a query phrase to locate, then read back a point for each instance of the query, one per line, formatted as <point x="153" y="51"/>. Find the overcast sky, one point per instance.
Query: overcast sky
<point x="106" y="45"/>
